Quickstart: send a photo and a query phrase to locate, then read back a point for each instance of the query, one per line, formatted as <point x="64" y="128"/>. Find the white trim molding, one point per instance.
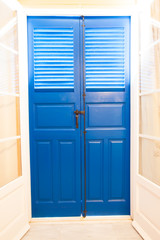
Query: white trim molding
<point x="80" y="219"/>
<point x="149" y="137"/>
<point x="9" y="94"/>
<point x="134" y="72"/>
<point x="5" y="29"/>
<point x="149" y="92"/>
<point x="80" y="11"/>
<point x="8" y="48"/>
<point x="24" y="107"/>
<point x="2" y="140"/>
<point x="140" y="230"/>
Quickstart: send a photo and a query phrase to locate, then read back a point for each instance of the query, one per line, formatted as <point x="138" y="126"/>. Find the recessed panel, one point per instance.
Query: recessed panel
<point x="67" y="169"/>
<point x="54" y="116"/>
<point x="44" y="170"/>
<point x="116" y="169"/>
<point x="106" y="115"/>
<point x="94" y="170"/>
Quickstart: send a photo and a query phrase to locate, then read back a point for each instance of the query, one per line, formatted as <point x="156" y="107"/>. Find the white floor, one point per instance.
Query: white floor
<point x="83" y="230"/>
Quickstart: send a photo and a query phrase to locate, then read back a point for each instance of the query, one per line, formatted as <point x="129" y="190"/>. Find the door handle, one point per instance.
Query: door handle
<point x="77" y="116"/>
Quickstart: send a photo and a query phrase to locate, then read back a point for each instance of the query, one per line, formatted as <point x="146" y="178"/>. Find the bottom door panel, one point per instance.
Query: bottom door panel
<point x="107" y="176"/>
<point x="57" y="176"/>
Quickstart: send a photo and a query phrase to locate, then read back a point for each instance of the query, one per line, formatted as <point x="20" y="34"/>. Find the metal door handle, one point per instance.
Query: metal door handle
<point x="77" y="116"/>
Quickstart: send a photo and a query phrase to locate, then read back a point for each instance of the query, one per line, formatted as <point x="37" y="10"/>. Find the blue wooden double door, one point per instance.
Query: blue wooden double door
<point x="70" y="57"/>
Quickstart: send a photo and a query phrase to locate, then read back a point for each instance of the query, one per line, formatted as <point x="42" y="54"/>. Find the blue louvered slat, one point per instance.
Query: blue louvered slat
<point x="105" y="58"/>
<point x="53" y="58"/>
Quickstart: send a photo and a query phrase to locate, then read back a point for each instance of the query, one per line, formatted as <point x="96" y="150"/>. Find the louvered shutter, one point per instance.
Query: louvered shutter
<point x="53" y="58"/>
<point x="105" y="58"/>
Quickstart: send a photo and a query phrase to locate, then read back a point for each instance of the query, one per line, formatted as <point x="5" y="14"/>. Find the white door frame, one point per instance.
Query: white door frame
<point x="147" y="194"/>
<point x="14" y="199"/>
<point x="133" y="13"/>
<point x="140" y="222"/>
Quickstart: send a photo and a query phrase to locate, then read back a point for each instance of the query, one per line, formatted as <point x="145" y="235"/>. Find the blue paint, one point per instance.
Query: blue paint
<point x="55" y="92"/>
<point x="67" y="178"/>
<point x="95" y="112"/>
<point x="52" y="120"/>
<point x="116" y="167"/>
<point x="95" y="161"/>
<point x="56" y="113"/>
<point x="44" y="171"/>
<point x="107" y="117"/>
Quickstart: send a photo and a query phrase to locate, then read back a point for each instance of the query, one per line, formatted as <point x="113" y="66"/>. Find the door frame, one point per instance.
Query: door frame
<point x="147" y="193"/>
<point x="134" y="74"/>
<point x="14" y="219"/>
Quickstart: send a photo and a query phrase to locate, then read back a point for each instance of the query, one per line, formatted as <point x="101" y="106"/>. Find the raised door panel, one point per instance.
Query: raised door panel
<point x="116" y="170"/>
<point x="95" y="170"/>
<point x="44" y="166"/>
<point x="67" y="168"/>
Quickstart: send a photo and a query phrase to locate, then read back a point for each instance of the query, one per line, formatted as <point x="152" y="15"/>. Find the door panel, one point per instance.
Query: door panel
<point x="56" y="115"/>
<point x="44" y="171"/>
<point x="55" y="88"/>
<point x="107" y="114"/>
<point x="95" y="112"/>
<point x="116" y="169"/>
<point x="54" y="96"/>
<point x="95" y="178"/>
<point x="67" y="178"/>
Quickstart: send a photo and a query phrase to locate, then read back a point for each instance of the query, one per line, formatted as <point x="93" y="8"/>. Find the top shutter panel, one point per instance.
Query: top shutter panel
<point x="105" y="58"/>
<point x="53" y="58"/>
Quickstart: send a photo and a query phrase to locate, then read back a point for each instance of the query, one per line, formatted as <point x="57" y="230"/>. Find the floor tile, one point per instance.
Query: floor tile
<point x="82" y="230"/>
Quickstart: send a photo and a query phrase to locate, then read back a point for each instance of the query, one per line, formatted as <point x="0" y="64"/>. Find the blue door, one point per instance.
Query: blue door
<point x="75" y="165"/>
<point x="54" y="96"/>
<point x="107" y="115"/>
